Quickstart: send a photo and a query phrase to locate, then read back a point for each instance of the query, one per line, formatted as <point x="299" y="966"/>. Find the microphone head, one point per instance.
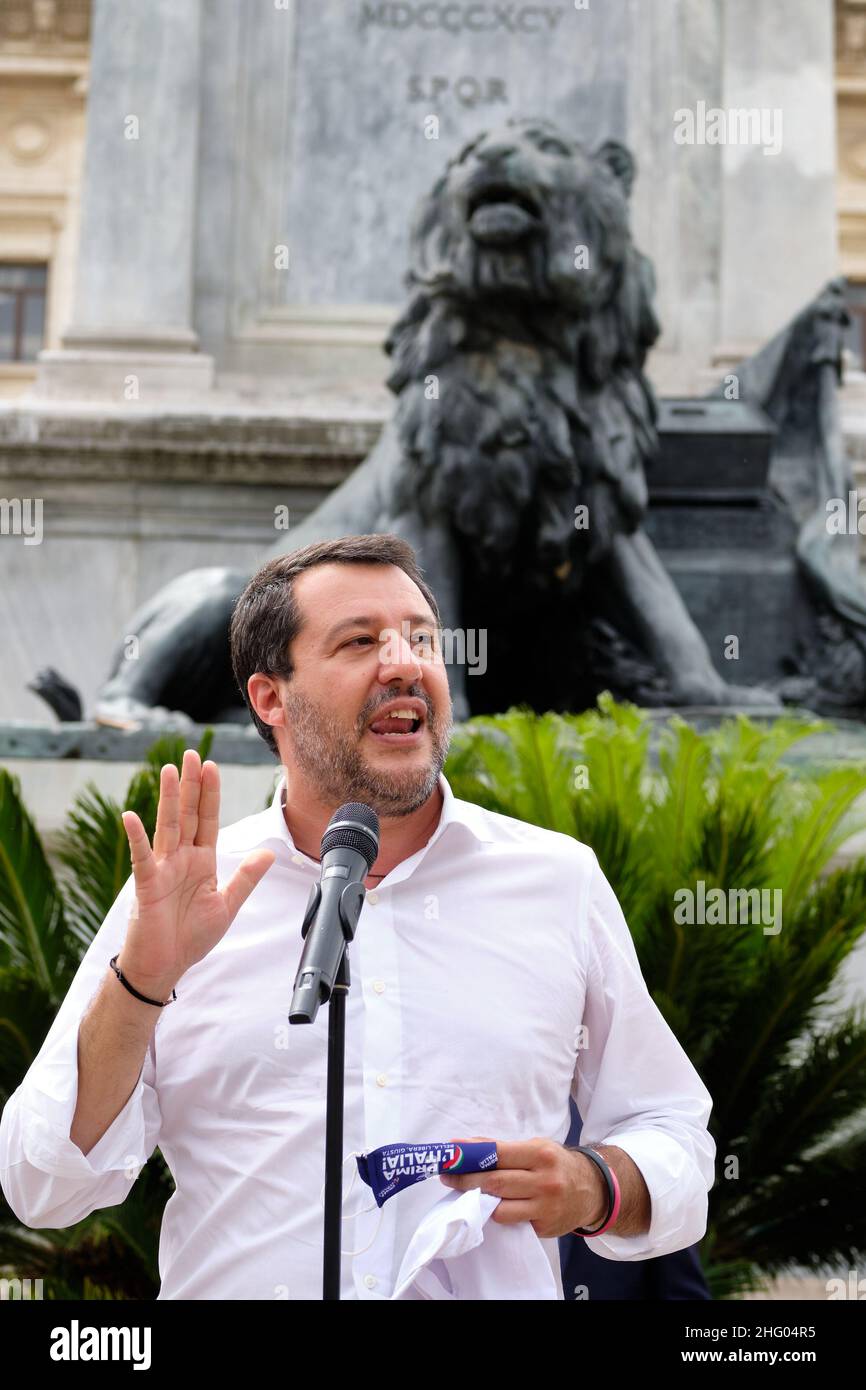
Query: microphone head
<point x="353" y="826"/>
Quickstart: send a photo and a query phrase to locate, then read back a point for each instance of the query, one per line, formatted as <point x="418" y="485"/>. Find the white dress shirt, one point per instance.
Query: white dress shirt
<point x="492" y="974"/>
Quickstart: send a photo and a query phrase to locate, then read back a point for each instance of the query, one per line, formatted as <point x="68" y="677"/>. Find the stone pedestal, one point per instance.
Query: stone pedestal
<point x="723" y="538"/>
<point x="128" y="499"/>
<point x="131" y="337"/>
<point x="252" y="171"/>
<point x="55" y="763"/>
<point x="779" y="239"/>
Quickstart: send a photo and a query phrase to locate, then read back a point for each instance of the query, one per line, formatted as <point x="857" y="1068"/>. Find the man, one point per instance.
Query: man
<point x="493" y="978"/>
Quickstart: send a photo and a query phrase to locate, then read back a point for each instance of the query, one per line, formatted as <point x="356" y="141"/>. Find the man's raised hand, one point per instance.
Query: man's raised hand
<point x="179" y="913"/>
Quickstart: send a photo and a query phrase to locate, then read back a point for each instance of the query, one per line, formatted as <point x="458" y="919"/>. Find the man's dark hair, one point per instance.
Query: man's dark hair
<point x="266" y="617"/>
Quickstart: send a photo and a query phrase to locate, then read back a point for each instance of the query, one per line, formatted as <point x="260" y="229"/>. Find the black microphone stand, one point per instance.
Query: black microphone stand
<point x="334" y="1105"/>
<point x="351" y="902"/>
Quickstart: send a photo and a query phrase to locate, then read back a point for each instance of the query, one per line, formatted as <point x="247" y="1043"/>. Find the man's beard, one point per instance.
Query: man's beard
<point x="334" y="763"/>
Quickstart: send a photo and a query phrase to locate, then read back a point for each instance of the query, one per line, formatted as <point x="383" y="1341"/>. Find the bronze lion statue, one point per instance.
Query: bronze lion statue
<point x="514" y="462"/>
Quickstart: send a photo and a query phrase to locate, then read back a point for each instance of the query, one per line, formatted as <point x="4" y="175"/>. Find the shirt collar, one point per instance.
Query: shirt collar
<point x="271" y="824"/>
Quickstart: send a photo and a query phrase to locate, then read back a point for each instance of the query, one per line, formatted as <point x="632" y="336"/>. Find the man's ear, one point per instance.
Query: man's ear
<point x="620" y="161"/>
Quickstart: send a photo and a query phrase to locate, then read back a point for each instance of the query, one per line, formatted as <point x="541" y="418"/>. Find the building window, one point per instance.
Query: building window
<point x="22" y="311"/>
<point x="855" y="341"/>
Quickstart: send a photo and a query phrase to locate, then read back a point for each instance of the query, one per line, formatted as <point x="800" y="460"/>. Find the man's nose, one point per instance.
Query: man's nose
<point x="397" y="660"/>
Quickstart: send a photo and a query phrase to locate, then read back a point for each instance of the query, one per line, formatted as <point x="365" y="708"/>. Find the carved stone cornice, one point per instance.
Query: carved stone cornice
<point x="253" y="448"/>
<point x="44" y="26"/>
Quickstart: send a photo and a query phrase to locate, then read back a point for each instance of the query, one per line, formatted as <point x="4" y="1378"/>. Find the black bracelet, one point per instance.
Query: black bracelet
<point x="611" y="1193"/>
<point x="143" y="997"/>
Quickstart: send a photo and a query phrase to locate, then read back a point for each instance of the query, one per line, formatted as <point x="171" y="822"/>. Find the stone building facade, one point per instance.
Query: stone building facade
<point x="220" y="245"/>
<point x="260" y="127"/>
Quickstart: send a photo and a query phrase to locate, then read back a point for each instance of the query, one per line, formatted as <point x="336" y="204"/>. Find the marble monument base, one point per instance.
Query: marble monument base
<point x="125" y="375"/>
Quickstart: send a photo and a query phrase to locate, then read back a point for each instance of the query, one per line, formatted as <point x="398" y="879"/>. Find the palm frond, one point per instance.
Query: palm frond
<point x="753" y="1000"/>
<point x="33" y="932"/>
<point x="95" y="853"/>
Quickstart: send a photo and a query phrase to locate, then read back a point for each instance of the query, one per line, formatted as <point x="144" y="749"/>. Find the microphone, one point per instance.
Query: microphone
<point x="349" y="849"/>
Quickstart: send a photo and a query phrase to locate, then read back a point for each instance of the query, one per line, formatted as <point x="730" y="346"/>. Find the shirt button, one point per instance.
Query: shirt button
<point x="297" y="859"/>
<point x="373" y="897"/>
<point x="370" y="1280"/>
<point x="379" y="986"/>
<point x="381" y="1079"/>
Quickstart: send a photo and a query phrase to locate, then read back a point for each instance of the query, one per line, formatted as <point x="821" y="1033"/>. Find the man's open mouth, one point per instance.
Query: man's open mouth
<point x="398" y="725"/>
<point x="499" y="213"/>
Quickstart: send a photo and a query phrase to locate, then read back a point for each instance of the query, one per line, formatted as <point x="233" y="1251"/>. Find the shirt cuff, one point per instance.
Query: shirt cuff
<point x="678" y="1198"/>
<point x="47" y="1110"/>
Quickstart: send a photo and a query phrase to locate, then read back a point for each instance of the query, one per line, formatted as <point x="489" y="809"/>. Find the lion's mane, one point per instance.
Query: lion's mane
<point x="518" y="405"/>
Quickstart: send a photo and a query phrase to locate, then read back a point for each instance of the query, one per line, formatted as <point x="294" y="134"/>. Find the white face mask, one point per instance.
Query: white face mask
<point x="501" y="1261"/>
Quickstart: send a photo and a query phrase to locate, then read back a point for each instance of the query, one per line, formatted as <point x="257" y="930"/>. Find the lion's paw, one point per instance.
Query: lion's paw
<point x="715" y="691"/>
<point x="133" y="714"/>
